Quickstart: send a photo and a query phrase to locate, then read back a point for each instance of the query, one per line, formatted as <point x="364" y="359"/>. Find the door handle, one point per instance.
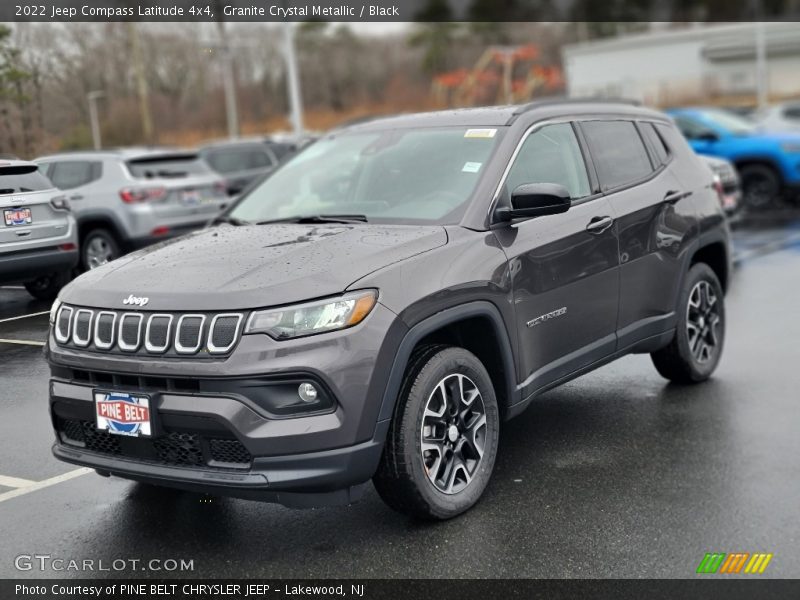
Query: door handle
<point x="76" y="197"/>
<point x="599" y="224"/>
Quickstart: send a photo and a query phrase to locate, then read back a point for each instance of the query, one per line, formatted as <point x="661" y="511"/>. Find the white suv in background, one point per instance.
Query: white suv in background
<point x="38" y="236"/>
<point x="127" y="199"/>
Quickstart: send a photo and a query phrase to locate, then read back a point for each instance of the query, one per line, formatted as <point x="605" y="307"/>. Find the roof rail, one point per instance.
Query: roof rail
<point x="523" y="108"/>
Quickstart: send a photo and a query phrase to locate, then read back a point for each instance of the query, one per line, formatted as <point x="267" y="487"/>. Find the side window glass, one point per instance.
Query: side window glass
<point x="656" y="143"/>
<point x="550" y="155"/>
<point x="73" y="173"/>
<point x="618" y="152"/>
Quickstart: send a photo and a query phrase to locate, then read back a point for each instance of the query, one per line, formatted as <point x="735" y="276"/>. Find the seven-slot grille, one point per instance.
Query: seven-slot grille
<point x="148" y="333"/>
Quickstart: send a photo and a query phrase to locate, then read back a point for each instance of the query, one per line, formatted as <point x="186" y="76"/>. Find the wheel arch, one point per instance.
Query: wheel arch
<point x="88" y="222"/>
<point x="463" y="326"/>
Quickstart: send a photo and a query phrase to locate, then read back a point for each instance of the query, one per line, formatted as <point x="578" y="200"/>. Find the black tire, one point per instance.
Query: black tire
<point x="47" y="287"/>
<point x="98" y="245"/>
<point x="684" y="360"/>
<point x="761" y="187"/>
<point x="402" y="479"/>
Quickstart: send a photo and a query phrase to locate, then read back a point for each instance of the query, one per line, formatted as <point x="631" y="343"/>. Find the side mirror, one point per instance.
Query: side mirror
<point x="536" y="200"/>
<point x="707" y="136"/>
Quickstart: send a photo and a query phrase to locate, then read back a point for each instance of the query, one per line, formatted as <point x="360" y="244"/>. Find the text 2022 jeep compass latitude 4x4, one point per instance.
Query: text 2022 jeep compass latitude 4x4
<point x="379" y="304"/>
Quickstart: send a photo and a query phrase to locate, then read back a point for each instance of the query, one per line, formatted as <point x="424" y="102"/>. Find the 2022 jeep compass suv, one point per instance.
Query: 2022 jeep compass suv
<point x="375" y="307"/>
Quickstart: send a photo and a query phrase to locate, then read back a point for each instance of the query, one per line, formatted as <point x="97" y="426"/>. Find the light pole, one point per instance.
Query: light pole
<point x="228" y="83"/>
<point x="295" y="99"/>
<point x="92" y="97"/>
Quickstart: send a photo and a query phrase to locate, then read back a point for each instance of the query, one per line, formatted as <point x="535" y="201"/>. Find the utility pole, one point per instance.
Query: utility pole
<point x="142" y="90"/>
<point x="228" y="82"/>
<point x="762" y="81"/>
<point x="295" y="99"/>
<point x="92" y="97"/>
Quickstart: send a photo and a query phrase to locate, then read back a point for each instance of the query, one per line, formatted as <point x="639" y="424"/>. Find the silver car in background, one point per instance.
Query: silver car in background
<point x="38" y="235"/>
<point x="130" y="198"/>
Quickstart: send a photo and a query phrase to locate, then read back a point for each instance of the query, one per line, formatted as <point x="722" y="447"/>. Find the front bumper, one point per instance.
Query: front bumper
<point x="327" y="455"/>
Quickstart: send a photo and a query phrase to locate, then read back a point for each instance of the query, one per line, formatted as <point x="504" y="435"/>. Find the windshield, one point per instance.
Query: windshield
<point x="729" y="121"/>
<point x="14" y="180"/>
<point x="402" y="175"/>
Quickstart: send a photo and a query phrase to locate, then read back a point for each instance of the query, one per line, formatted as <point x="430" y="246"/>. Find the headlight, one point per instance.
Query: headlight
<point x="791" y="147"/>
<point x="54" y="311"/>
<point x="299" y="320"/>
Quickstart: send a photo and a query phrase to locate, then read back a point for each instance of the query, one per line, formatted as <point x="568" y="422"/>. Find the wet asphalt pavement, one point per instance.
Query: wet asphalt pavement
<point x="616" y="474"/>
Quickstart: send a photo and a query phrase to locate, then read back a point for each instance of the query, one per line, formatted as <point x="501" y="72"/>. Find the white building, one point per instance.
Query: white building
<point x="695" y="64"/>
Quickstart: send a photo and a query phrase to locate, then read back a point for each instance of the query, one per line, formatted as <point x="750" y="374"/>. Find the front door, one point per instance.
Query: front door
<point x="564" y="268"/>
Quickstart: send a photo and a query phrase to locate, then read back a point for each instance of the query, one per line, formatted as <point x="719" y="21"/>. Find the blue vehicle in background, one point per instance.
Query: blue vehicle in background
<point x="768" y="162"/>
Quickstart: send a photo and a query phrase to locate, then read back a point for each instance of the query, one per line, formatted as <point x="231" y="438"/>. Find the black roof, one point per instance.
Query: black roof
<point x="498" y="116"/>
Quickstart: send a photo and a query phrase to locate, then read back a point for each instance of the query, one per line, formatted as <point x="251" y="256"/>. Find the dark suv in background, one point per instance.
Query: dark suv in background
<point x="378" y="305"/>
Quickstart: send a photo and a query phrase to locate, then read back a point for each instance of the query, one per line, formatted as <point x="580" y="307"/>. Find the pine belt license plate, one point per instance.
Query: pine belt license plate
<point x="17" y="216"/>
<point x="121" y="413"/>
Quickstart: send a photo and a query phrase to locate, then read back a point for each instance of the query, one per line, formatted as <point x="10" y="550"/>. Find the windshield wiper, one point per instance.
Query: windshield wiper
<point x="229" y="220"/>
<point x="318" y="219"/>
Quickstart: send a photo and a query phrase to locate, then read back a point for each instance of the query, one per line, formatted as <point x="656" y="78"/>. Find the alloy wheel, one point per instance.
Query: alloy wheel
<point x="703" y="322"/>
<point x="98" y="252"/>
<point x="453" y="433"/>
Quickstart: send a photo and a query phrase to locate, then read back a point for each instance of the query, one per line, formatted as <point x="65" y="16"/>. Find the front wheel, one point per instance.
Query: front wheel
<point x="694" y="352"/>
<point x="442" y="442"/>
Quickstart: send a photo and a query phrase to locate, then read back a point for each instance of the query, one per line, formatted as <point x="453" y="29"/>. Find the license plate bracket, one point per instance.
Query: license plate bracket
<point x="17" y="217"/>
<point x="124" y="413"/>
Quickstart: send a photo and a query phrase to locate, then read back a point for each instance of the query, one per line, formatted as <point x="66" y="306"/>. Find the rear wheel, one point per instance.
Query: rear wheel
<point x="98" y="248"/>
<point x="695" y="350"/>
<point x="761" y="186"/>
<point x="47" y="287"/>
<point x="442" y="442"/>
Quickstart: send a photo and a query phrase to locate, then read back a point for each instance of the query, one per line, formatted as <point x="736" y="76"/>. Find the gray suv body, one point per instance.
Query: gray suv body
<point x="130" y="198"/>
<point x="378" y="305"/>
<point x="38" y="235"/>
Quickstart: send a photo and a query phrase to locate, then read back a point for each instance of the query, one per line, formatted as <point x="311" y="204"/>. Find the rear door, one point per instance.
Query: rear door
<point x="26" y="214"/>
<point x="563" y="267"/>
<point x="654" y="219"/>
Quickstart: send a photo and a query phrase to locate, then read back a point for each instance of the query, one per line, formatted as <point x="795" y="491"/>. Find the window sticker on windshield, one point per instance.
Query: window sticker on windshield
<point x="480" y="133"/>
<point x="471" y="167"/>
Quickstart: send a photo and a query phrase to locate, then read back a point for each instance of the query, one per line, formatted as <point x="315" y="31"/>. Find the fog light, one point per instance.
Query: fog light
<point x="307" y="392"/>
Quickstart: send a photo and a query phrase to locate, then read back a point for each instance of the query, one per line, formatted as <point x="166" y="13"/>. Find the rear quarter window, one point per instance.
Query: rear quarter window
<point x="657" y="146"/>
<point x="618" y="151"/>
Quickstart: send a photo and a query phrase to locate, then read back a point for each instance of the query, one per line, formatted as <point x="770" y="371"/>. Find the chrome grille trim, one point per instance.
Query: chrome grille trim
<point x="180" y="348"/>
<point x="63" y="339"/>
<point x="121" y="342"/>
<point x="136" y="332"/>
<point x="79" y="341"/>
<point x="151" y="347"/>
<point x="212" y="349"/>
<point x="99" y="343"/>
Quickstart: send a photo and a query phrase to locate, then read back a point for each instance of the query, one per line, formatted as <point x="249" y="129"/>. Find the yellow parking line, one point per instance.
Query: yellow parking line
<point x="22" y="342"/>
<point x="15" y="482"/>
<point x="38" y="485"/>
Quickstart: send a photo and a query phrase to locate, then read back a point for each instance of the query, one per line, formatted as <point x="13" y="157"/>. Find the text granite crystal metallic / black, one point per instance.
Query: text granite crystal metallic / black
<point x="376" y="306"/>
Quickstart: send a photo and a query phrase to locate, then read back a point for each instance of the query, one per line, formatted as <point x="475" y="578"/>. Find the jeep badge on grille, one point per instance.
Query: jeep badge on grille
<point x="137" y="300"/>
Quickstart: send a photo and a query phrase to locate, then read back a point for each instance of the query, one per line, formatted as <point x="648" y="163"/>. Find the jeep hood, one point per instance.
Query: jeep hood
<point x="227" y="268"/>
